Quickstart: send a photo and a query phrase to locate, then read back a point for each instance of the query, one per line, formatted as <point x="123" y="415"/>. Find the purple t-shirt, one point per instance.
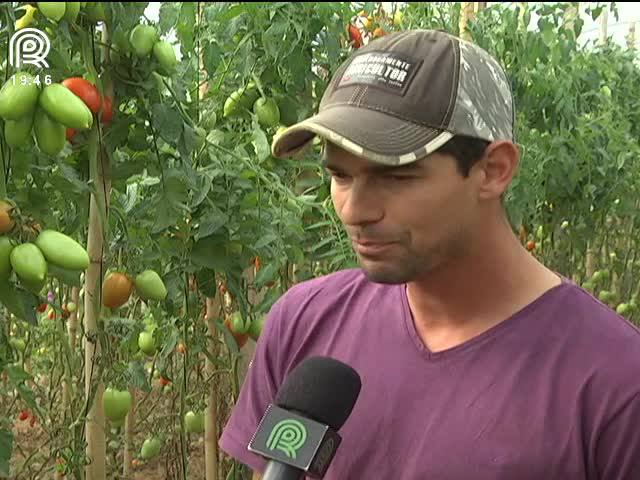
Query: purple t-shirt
<point x="552" y="393"/>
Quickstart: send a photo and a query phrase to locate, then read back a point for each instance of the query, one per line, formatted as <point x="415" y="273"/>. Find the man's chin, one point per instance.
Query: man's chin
<point x="385" y="274"/>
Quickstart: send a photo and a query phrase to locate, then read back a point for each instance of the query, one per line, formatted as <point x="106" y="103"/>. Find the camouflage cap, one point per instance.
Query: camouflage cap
<point x="404" y="95"/>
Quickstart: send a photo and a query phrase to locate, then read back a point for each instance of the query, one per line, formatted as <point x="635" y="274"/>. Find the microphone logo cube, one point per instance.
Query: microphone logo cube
<point x="295" y="440"/>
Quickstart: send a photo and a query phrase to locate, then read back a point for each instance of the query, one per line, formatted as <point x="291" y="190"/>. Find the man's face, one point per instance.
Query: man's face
<point x="403" y="221"/>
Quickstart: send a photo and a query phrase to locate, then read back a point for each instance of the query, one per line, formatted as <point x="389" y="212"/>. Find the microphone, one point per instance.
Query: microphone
<point x="298" y="432"/>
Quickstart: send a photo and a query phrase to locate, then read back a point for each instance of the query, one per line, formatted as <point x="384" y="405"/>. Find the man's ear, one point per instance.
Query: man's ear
<point x="498" y="166"/>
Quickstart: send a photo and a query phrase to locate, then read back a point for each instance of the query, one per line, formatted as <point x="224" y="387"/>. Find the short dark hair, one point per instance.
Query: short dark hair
<point x="466" y="150"/>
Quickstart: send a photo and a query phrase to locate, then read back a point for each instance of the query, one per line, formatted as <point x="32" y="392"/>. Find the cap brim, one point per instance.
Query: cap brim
<point x="367" y="133"/>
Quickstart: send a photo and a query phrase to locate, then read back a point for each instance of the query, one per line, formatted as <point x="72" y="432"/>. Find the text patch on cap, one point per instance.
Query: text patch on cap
<point x="388" y="71"/>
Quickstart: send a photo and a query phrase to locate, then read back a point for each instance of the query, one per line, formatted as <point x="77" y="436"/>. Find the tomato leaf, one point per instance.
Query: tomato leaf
<point x="138" y="376"/>
<point x="186" y="23"/>
<point x="68" y="277"/>
<point x="214" y="220"/>
<point x="261" y="144"/>
<point x="6" y="448"/>
<point x="17" y="376"/>
<point x="167" y="122"/>
<point x="266" y="273"/>
<point x="19" y="302"/>
<point x="209" y="252"/>
<point x="176" y="191"/>
<point x="211" y="55"/>
<point x="168" y="16"/>
<point x="273" y="38"/>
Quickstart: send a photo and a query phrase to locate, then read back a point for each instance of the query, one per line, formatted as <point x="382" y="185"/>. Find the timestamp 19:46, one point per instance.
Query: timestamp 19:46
<point x="31" y="80"/>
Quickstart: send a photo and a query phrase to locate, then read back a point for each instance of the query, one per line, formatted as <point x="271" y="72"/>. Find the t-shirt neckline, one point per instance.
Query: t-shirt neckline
<point x="493" y="331"/>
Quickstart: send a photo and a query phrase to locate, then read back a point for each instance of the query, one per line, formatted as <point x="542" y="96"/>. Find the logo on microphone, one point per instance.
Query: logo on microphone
<point x="287" y="435"/>
<point x="29" y="46"/>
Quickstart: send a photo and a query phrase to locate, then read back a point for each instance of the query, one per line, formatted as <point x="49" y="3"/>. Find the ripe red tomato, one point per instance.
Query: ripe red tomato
<point x="86" y="91"/>
<point x="42" y="307"/>
<point x="531" y="245"/>
<point x="70" y="133"/>
<point x="24" y="414"/>
<point x="355" y="36"/>
<point x="164" y="381"/>
<point x="107" y="110"/>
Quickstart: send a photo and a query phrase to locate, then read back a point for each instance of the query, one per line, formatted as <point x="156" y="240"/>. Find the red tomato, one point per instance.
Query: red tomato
<point x="164" y="381"/>
<point x="42" y="307"/>
<point x="70" y="133"/>
<point x="107" y="110"/>
<point x="531" y="245"/>
<point x="355" y="36"/>
<point x="24" y="414"/>
<point x="33" y="421"/>
<point x="85" y="90"/>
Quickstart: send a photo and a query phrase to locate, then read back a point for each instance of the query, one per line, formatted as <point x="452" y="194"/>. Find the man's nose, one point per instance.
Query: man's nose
<point x="361" y="203"/>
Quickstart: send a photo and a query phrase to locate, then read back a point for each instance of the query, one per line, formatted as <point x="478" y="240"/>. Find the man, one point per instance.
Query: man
<point x="477" y="361"/>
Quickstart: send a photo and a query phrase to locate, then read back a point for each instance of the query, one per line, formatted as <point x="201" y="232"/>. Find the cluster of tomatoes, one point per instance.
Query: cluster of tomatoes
<point x="371" y="26"/>
<point x="25" y="415"/>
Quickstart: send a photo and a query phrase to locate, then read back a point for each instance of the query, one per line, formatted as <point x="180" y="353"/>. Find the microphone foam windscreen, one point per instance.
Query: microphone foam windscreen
<point x="321" y="388"/>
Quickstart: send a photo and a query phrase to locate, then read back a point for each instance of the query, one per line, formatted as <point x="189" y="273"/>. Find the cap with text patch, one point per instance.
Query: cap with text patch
<point x="404" y="95"/>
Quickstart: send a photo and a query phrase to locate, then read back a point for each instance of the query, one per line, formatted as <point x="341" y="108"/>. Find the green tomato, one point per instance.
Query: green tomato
<point x="116" y="403"/>
<point x="62" y="251"/>
<point x="238" y="325"/>
<point x="143" y="38"/>
<point x="50" y="134"/>
<point x="150" y="448"/>
<point x="255" y="328"/>
<point x="232" y="104"/>
<point x="194" y="422"/>
<point x="166" y="56"/>
<point x="17" y="132"/>
<point x="150" y="286"/>
<point x="18" y="98"/>
<point x="95" y="12"/>
<point x="147" y="343"/>
<point x="54" y="11"/>
<point x="6" y="246"/>
<point x="623" y="309"/>
<point x="65" y="107"/>
<point x="29" y="263"/>
<point x="267" y="111"/>
<point x="71" y="307"/>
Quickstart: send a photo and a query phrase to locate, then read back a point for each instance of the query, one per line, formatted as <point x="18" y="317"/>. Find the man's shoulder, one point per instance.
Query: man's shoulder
<point x="334" y="284"/>
<point x="608" y="342"/>
<point x="598" y="319"/>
